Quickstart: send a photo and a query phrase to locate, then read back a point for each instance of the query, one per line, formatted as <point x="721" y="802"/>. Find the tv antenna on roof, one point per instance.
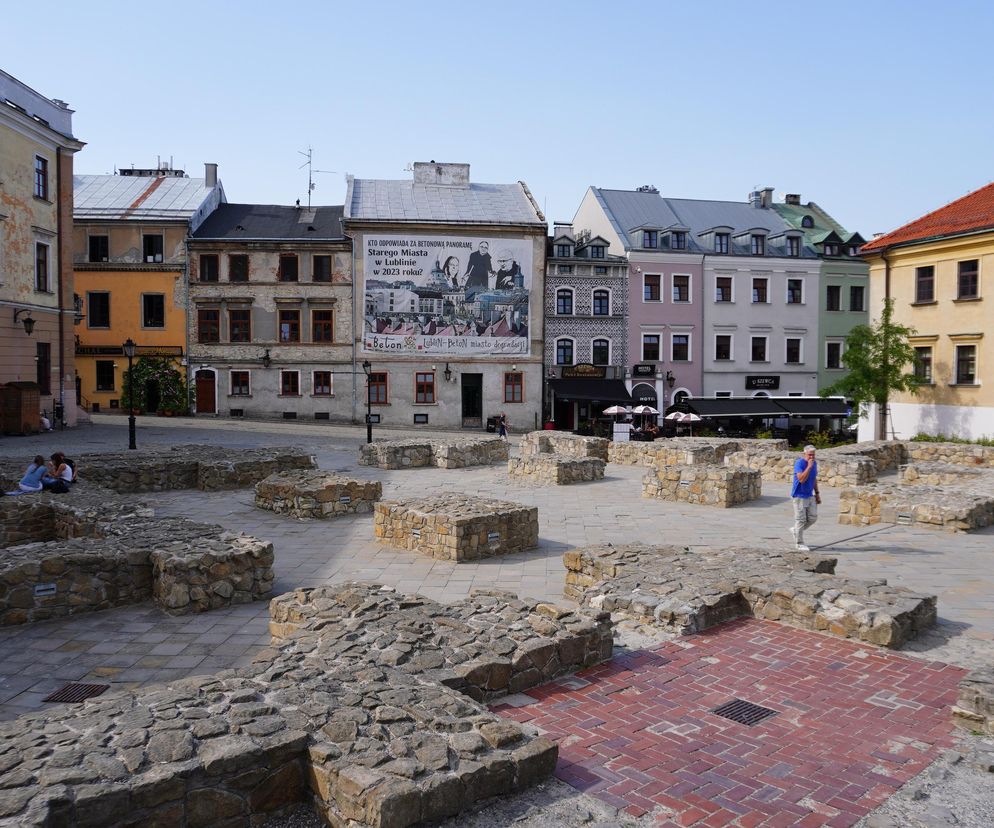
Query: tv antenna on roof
<point x="309" y="155"/>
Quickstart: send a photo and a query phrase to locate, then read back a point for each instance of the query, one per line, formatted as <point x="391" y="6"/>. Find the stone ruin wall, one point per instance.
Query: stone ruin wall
<point x="555" y="469"/>
<point x="706" y="485"/>
<point x="949" y="508"/>
<point x="563" y="443"/>
<point x="316" y="494"/>
<point x="444" y="454"/>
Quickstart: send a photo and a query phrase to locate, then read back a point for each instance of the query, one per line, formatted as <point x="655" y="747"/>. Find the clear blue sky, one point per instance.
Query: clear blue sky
<point x="879" y="111"/>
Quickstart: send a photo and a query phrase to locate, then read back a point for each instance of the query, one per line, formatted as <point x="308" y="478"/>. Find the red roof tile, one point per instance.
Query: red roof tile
<point x="974" y="211"/>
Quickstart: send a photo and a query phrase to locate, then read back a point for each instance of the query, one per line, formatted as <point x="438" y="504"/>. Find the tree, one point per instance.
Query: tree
<point x="876" y="358"/>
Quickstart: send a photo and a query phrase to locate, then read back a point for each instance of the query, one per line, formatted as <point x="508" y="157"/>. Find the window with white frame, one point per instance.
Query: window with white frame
<point x="241" y="384"/>
<point x="650" y="347"/>
<point x="680" y="347"/>
<point x="793" y="353"/>
<point x="681" y="288"/>
<point x="600" y="352"/>
<point x="564" y="351"/>
<point x="793" y="246"/>
<point x="757" y="244"/>
<point x="966" y="364"/>
<point x="564" y="302"/>
<point x="721" y="242"/>
<point x="795" y="291"/>
<point x="760" y="290"/>
<point x="723" y="347"/>
<point x="321" y="383"/>
<point x="652" y="288"/>
<point x="833" y="353"/>
<point x="758" y="349"/>
<point x="602" y="302"/>
<point x="723" y="289"/>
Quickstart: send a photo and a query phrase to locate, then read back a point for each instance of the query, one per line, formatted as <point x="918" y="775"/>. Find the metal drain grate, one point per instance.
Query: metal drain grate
<point x="76" y="692"/>
<point x="744" y="712"/>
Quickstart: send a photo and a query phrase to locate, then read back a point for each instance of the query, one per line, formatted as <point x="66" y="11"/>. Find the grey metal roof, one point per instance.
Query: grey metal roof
<point x="137" y="197"/>
<point x="630" y="209"/>
<point x="271" y="221"/>
<point x="385" y="200"/>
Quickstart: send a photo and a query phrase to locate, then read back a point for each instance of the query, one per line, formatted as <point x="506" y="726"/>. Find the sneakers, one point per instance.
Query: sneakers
<point x="803" y="548"/>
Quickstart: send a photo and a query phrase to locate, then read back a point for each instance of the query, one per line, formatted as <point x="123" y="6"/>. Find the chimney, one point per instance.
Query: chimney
<point x="766" y="197"/>
<point x="562" y="228"/>
<point x="450" y="175"/>
<point x="792" y="198"/>
<point x="210" y="174"/>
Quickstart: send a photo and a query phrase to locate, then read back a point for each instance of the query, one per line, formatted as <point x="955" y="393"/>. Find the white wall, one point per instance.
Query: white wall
<point x="909" y="419"/>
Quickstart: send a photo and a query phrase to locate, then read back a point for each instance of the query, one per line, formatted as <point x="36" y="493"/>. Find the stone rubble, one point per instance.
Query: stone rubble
<point x="556" y="469"/>
<point x="948" y="508"/>
<point x="707" y="485"/>
<point x="975" y="705"/>
<point x="316" y="494"/>
<point x="445" y="454"/>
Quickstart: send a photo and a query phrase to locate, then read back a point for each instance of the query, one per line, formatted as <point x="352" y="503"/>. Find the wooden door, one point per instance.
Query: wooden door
<point x="206" y="398"/>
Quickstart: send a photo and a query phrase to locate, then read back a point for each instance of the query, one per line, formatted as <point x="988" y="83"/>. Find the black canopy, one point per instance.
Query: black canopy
<point x="809" y="407"/>
<point x="769" y="407"/>
<point x="596" y="390"/>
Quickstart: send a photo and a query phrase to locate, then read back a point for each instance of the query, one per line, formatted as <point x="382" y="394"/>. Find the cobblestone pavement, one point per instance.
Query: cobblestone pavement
<point x="852" y="725"/>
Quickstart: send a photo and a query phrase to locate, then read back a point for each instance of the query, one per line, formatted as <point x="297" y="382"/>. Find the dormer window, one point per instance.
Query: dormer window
<point x="793" y="246"/>
<point x="721" y="242"/>
<point x="807" y="222"/>
<point x="564" y="251"/>
<point x="678" y="240"/>
<point x="650" y="239"/>
<point x="597" y="251"/>
<point x="831" y="249"/>
<point x="757" y="244"/>
<point x="853" y="250"/>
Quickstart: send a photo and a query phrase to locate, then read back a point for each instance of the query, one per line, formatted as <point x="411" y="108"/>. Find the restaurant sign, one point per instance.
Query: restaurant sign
<point x="584" y="370"/>
<point x="762" y="383"/>
<point x="643" y="370"/>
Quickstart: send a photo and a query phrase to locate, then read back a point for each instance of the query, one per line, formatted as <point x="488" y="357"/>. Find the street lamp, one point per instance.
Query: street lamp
<point x="129" y="352"/>
<point x="367" y="366"/>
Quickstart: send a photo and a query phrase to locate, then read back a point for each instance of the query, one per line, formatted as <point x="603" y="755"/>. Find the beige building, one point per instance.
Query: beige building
<point x="36" y="278"/>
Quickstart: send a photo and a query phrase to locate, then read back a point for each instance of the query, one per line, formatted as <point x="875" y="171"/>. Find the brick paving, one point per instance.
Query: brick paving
<point x="853" y="724"/>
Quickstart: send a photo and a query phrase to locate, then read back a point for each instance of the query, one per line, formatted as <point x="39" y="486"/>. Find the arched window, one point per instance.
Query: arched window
<point x="761" y="394"/>
<point x="564" y="351"/>
<point x="680" y="396"/>
<point x="807" y="222"/>
<point x="602" y="302"/>
<point x="564" y="302"/>
<point x="600" y="352"/>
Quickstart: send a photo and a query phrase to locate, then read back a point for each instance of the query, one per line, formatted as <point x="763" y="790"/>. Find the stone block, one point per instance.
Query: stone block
<point x="563" y="443"/>
<point x="951" y="508"/>
<point x="707" y="485"/>
<point x="456" y="453"/>
<point x="316" y="494"/>
<point x="555" y="469"/>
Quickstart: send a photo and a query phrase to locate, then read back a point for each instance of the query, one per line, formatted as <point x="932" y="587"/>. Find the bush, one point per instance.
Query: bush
<point x="942" y="438"/>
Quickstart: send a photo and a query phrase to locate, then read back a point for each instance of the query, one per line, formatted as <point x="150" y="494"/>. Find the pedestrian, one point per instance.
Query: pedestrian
<point x="502" y="426"/>
<point x="805" y="496"/>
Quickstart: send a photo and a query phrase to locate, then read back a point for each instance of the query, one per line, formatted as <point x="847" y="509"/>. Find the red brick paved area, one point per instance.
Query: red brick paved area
<point x="853" y="725"/>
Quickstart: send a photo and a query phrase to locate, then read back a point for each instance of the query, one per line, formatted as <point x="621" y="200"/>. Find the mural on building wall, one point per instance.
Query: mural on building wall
<point x="459" y="295"/>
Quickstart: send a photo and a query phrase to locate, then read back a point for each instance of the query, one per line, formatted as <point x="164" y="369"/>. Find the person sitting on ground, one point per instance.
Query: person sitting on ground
<point x="60" y="475"/>
<point x="31" y="482"/>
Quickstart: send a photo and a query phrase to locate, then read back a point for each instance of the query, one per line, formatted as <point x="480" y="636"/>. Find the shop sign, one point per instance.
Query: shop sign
<point x="584" y="370"/>
<point x="643" y="370"/>
<point x="762" y="383"/>
<point x="643" y="394"/>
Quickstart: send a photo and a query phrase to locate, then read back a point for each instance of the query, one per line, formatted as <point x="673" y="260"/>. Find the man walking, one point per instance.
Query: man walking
<point x="805" y="495"/>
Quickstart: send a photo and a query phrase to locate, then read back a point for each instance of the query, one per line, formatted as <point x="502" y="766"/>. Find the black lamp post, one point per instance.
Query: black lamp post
<point x="129" y="352"/>
<point x="367" y="366"/>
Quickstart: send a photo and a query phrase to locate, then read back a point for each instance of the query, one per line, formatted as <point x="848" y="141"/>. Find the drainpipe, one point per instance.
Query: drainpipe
<point x="186" y="310"/>
<point x="61" y="292"/>
<point x="355" y="390"/>
<point x="882" y="416"/>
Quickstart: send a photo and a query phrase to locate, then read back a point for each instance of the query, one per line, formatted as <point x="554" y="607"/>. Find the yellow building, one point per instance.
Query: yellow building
<point x="935" y="270"/>
<point x="129" y="258"/>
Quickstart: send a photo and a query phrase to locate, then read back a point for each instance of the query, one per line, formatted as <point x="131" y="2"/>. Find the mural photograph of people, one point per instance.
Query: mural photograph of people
<point x="418" y="299"/>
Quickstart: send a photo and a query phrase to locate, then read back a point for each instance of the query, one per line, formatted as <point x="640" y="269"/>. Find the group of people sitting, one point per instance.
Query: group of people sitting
<point x="56" y="475"/>
<point x="649" y="432"/>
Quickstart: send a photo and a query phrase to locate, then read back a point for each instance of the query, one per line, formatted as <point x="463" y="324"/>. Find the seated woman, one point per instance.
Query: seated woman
<point x="31" y="482"/>
<point x="60" y="476"/>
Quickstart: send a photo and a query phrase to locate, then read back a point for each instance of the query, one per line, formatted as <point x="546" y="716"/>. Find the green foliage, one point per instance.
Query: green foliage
<point x="819" y="439"/>
<point x="173" y="395"/>
<point x="942" y="438"/>
<point x="764" y="435"/>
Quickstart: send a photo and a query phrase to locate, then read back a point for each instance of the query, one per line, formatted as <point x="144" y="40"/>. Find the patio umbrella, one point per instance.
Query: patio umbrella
<point x="674" y="415"/>
<point x="691" y="418"/>
<point x="644" y="409"/>
<point x="616" y="409"/>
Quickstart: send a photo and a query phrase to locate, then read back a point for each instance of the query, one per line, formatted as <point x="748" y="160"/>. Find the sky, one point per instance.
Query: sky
<point x="879" y="111"/>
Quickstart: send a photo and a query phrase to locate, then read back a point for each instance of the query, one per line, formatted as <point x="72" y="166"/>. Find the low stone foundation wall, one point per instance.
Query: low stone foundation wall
<point x="975" y="704"/>
<point x="833" y="470"/>
<point x="949" y="508"/>
<point x="456" y="527"/>
<point x="948" y="474"/>
<point x="556" y="470"/>
<point x="445" y="454"/>
<point x="352" y="710"/>
<point x="693" y="590"/>
<point x="563" y="443"/>
<point x="960" y="454"/>
<point x="686" y="451"/>
<point x="713" y="485"/>
<point x="316" y="494"/>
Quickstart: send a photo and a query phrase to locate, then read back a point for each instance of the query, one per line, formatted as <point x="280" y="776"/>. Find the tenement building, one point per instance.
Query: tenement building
<point x="129" y="259"/>
<point x="933" y="269"/>
<point x="270" y="316"/>
<point x="586" y="346"/>
<point x="36" y="283"/>
<point x="449" y="299"/>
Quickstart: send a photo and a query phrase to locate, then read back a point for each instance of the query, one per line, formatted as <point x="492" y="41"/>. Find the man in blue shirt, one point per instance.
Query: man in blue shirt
<point x="805" y="495"/>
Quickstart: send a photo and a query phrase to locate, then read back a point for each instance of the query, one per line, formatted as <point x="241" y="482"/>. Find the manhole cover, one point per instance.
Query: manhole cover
<point x="76" y="692"/>
<point x="744" y="712"/>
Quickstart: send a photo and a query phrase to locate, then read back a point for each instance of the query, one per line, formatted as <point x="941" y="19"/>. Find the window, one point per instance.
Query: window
<point x="597" y="251"/>
<point x="208" y="325"/>
<point x="424" y="387"/>
<point x="651" y="288"/>
<point x="793" y="246"/>
<point x="833" y="297"/>
<point x="833" y="354"/>
<point x="98" y="309"/>
<point x="678" y="240"/>
<point x="793" y="351"/>
<point x="514" y="387"/>
<point x="650" y="239"/>
<point x="377" y="385"/>
<point x="238" y="267"/>
<point x="853" y="250"/>
<point x="43" y="354"/>
<point x="758" y="245"/>
<point x="857" y="298"/>
<point x="602" y="303"/>
<point x="564" y="352"/>
<point x="723" y="347"/>
<point x="600" y="352"/>
<point x="153" y="310"/>
<point x="152" y="247"/>
<point x="723" y="289"/>
<point x="719" y="394"/>
<point x="600" y="270"/>
<point x="41" y="267"/>
<point x="795" y="291"/>
<point x="758" y="349"/>
<point x="240" y="384"/>
<point x="208" y="267"/>
<point x="321" y="384"/>
<point x="564" y="302"/>
<point x="968" y="285"/>
<point x="99" y="248"/>
<point x="650" y="347"/>
<point x="322" y="326"/>
<point x="759" y="292"/>
<point x="721" y="242"/>
<point x="41" y="177"/>
<point x="923" y="364"/>
<point x="680" y="347"/>
<point x="807" y="222"/>
<point x="105" y="375"/>
<point x="925" y="284"/>
<point x="681" y="288"/>
<point x="289" y="383"/>
<point x="240" y="325"/>
<point x="563" y="251"/>
<point x="289" y="326"/>
<point x="831" y="249"/>
<point x="966" y="364"/>
<point x="322" y="268"/>
<point x="564" y="269"/>
<point x="288" y="268"/>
